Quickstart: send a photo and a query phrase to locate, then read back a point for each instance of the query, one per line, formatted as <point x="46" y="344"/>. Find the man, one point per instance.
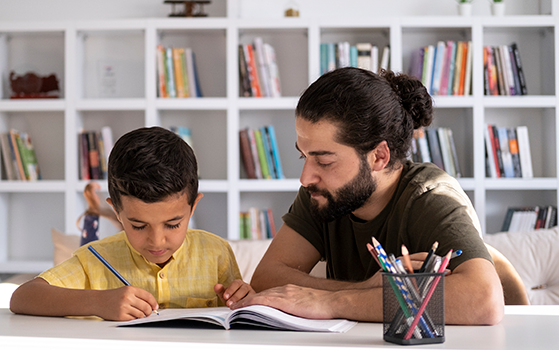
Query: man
<point x="354" y="130"/>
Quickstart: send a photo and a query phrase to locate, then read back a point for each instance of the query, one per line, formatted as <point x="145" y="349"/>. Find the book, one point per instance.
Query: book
<point x="498" y="156"/>
<point x="508" y="67"/>
<point x="505" y="151"/>
<point x="457" y="68"/>
<point x="254" y="315"/>
<point x="93" y="154"/>
<point x="513" y="148"/>
<point x="267" y="152"/>
<point x="161" y="74"/>
<point x="385" y="60"/>
<point x="190" y="72"/>
<point x="463" y="64"/>
<point x="364" y="57"/>
<point x="244" y="80"/>
<point x="271" y="133"/>
<point x="490" y="153"/>
<point x="7" y="157"/>
<point x="246" y="155"/>
<point x="423" y="145"/>
<point x="252" y="72"/>
<point x="438" y="68"/>
<point x="446" y="152"/>
<point x="454" y="154"/>
<point x="435" y="148"/>
<point x="262" y="67"/>
<point x="28" y="157"/>
<point x="468" y="74"/>
<point x="520" y="69"/>
<point x="374" y="59"/>
<point x="16" y="157"/>
<point x="270" y="56"/>
<point x="171" y="73"/>
<point x="254" y="152"/>
<point x="524" y="151"/>
<point x="262" y="155"/>
<point x="271" y="223"/>
<point x="179" y="73"/>
<point x="428" y="67"/>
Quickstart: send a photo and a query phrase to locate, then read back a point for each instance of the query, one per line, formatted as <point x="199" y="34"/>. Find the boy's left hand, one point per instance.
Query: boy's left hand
<point x="236" y="291"/>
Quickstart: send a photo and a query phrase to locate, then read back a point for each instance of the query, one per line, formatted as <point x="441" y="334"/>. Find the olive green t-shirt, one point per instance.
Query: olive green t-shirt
<point x="428" y="205"/>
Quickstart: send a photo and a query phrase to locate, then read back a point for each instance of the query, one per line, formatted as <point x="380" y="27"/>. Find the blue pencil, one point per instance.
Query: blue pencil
<point x="106" y="263"/>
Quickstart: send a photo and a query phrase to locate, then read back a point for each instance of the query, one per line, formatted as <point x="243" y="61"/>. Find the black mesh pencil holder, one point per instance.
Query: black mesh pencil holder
<point x="413" y="308"/>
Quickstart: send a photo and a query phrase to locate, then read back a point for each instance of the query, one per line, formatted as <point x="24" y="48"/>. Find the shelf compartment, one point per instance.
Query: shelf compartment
<point x="536" y="45"/>
<point x="209" y="137"/>
<point x="209" y="48"/>
<point x="542" y="131"/>
<point x="40" y="52"/>
<point x="211" y="214"/>
<point x="111" y="63"/>
<point x="495" y="210"/>
<point x="292" y="54"/>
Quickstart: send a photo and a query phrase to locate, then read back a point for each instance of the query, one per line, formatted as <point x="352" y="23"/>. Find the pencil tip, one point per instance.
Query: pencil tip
<point x="375" y="242"/>
<point x="435" y="245"/>
<point x="404" y="250"/>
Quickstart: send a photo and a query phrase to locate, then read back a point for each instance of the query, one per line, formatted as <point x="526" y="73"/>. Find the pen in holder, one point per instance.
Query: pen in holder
<point x="413" y="308"/>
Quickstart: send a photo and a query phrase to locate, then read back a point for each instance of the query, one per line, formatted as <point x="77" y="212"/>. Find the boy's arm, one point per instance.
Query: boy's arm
<point x="38" y="297"/>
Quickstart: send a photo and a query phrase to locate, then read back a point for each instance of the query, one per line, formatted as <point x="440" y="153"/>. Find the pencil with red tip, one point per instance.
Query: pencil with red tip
<point x="444" y="264"/>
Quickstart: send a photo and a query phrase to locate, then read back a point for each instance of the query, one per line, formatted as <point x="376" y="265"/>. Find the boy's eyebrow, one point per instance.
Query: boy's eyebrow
<point x="178" y="217"/>
<point x="315" y="153"/>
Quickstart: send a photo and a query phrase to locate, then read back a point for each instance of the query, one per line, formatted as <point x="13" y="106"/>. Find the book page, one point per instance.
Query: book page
<point x="215" y="315"/>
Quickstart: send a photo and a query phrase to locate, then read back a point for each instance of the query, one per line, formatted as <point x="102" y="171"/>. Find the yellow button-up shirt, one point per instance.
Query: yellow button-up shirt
<point x="187" y="280"/>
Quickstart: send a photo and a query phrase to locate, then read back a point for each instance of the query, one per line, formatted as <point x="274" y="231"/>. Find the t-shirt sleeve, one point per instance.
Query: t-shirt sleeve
<point x="299" y="218"/>
<point x="445" y="216"/>
<point x="68" y="274"/>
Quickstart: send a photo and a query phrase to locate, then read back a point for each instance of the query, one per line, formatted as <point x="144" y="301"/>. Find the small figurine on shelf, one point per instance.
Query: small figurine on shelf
<point x="291" y="9"/>
<point x="32" y="85"/>
<point x="191" y="8"/>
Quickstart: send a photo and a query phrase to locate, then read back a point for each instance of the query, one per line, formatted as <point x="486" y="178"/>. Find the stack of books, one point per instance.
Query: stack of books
<point x="503" y="71"/>
<point x="445" y="68"/>
<point x="523" y="219"/>
<point x="258" y="70"/>
<point x="177" y="73"/>
<point x="94" y="148"/>
<point x="507" y="152"/>
<point x="256" y="224"/>
<point x="20" y="161"/>
<point x="436" y="146"/>
<point x="260" y="153"/>
<point x="361" y="55"/>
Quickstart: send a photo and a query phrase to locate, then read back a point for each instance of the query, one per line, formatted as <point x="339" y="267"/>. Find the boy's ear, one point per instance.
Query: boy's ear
<point x="110" y="202"/>
<point x="198" y="197"/>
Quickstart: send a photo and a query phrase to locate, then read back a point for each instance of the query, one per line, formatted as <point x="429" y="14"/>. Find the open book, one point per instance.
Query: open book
<point x="255" y="315"/>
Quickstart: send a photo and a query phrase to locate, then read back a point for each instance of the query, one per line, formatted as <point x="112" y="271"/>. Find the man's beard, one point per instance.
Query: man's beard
<point x="349" y="197"/>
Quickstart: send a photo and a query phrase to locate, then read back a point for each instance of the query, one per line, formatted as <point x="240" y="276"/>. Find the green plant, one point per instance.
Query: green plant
<point x="464" y="1"/>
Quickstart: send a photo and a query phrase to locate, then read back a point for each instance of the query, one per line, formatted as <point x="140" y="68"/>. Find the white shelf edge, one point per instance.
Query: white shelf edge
<point x="288" y="103"/>
<point x="520" y="101"/>
<point x="21" y="105"/>
<point x="453" y="101"/>
<point x="115" y="104"/>
<point x="206" y="103"/>
<point x="43" y="186"/>
<point x="521" y="184"/>
<point x="25" y="266"/>
<point x="467" y="183"/>
<point x="214" y="186"/>
<point x="287" y="185"/>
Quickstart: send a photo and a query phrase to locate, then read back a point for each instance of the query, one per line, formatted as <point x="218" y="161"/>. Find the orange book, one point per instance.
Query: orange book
<point x="253" y="74"/>
<point x="161" y="72"/>
<point x="178" y="70"/>
<point x="463" y="68"/>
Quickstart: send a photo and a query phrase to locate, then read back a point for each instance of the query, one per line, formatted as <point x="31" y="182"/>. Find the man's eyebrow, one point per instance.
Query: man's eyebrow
<point x="315" y="153"/>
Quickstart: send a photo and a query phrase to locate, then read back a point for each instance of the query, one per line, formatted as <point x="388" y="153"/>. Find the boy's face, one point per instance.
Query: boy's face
<point x="156" y="230"/>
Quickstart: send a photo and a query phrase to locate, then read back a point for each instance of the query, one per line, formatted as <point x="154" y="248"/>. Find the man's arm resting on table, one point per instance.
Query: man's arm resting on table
<point x="473" y="296"/>
<point x="289" y="259"/>
<point x="38" y="297"/>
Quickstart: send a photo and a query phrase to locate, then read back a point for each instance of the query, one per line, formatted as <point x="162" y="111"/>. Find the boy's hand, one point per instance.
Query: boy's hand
<point x="235" y="292"/>
<point x="125" y="303"/>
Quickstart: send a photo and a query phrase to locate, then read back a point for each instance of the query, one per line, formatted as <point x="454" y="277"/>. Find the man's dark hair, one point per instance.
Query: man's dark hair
<point x="151" y="164"/>
<point x="369" y="108"/>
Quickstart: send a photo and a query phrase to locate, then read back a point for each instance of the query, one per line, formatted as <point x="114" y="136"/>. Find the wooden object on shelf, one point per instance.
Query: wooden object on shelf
<point x="191" y="8"/>
<point x="31" y="85"/>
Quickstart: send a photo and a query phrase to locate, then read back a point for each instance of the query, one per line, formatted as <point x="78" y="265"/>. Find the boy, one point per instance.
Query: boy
<point x="153" y="188"/>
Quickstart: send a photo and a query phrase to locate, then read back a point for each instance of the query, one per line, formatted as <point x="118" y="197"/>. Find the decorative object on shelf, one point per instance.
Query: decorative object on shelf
<point x="31" y="85"/>
<point x="465" y="7"/>
<point x="191" y="8"/>
<point x="498" y="8"/>
<point x="291" y="9"/>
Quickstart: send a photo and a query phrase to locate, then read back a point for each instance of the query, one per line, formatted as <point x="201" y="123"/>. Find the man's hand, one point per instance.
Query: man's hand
<point x="295" y="300"/>
<point x="236" y="291"/>
<point x="125" y="303"/>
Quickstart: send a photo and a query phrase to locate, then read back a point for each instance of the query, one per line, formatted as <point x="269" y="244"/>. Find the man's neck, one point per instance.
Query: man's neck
<point x="387" y="182"/>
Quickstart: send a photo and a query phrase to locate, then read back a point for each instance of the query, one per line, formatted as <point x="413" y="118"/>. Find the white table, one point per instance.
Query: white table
<point x="524" y="327"/>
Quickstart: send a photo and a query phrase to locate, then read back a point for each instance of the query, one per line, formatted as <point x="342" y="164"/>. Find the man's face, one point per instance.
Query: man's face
<point x="156" y="230"/>
<point x="338" y="179"/>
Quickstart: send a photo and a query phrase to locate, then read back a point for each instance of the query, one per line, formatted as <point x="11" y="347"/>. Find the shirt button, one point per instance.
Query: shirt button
<point x="209" y="302"/>
<point x="162" y="275"/>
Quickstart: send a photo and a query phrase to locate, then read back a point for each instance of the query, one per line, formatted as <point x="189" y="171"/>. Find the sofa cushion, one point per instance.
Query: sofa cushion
<point x="534" y="255"/>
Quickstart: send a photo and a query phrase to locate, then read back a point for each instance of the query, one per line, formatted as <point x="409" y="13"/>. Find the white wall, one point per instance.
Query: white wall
<point x="111" y="9"/>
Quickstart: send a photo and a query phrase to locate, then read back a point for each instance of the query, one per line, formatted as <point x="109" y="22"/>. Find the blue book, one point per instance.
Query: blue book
<point x="270" y="131"/>
<point x="268" y="152"/>
<point x="353" y="56"/>
<point x="323" y="58"/>
<point x="196" y="79"/>
<point x="171" y="77"/>
<point x="451" y="71"/>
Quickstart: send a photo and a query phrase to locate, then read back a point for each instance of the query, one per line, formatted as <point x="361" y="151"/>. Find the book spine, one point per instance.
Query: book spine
<point x="244" y="80"/>
<point x="262" y="68"/>
<point x="275" y="150"/>
<point x="171" y="75"/>
<point x="519" y="67"/>
<point x="454" y="154"/>
<point x="270" y="54"/>
<point x="184" y="68"/>
<point x="457" y="68"/>
<point x="261" y="155"/>
<point x="498" y="157"/>
<point x="14" y="135"/>
<point x="445" y="152"/>
<point x="162" y="85"/>
<point x="490" y="150"/>
<point x="246" y="155"/>
<point x="505" y="152"/>
<point x="177" y="69"/>
<point x="93" y="153"/>
<point x="452" y="68"/>
<point x="254" y="152"/>
<point x="439" y="62"/>
<point x="6" y="155"/>
<point x="524" y="151"/>
<point x="468" y="74"/>
<point x="190" y="72"/>
<point x="463" y="68"/>
<point x="364" y="55"/>
<point x="268" y="153"/>
<point x="435" y="148"/>
<point x="513" y="148"/>
<point x="423" y="145"/>
<point x="508" y="64"/>
<point x="253" y="74"/>
<point x="271" y="223"/>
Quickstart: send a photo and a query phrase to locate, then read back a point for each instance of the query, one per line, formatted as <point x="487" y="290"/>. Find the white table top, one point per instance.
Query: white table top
<point x="524" y="327"/>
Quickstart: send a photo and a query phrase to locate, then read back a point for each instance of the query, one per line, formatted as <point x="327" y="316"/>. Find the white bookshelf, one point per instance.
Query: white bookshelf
<point x="73" y="50"/>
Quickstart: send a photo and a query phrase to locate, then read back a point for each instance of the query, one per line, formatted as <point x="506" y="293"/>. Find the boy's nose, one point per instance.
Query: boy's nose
<point x="157" y="236"/>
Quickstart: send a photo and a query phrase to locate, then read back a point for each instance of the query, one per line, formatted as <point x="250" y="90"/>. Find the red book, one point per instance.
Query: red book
<point x="252" y="72"/>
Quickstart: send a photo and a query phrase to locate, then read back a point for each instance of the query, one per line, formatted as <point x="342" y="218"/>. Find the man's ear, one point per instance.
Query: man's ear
<point x="379" y="157"/>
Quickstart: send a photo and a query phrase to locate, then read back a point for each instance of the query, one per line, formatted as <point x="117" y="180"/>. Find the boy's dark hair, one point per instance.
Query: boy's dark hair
<point x="369" y="108"/>
<point x="151" y="164"/>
